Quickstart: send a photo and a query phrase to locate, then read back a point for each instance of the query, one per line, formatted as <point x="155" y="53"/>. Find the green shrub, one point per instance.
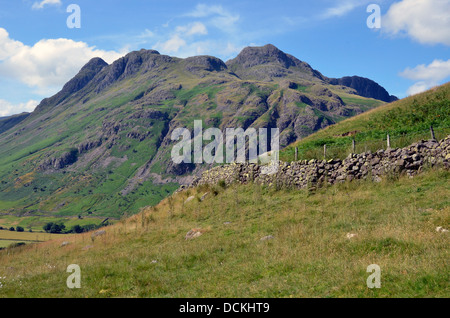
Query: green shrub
<point x="54" y="227"/>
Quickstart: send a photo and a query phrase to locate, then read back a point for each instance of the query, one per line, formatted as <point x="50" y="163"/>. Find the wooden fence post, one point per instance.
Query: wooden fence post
<point x="296" y="154"/>
<point x="353" y="145"/>
<point x="432" y="133"/>
<point x="388" y="139"/>
<point x="325" y="151"/>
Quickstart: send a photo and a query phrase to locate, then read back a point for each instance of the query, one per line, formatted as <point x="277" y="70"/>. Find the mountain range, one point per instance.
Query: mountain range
<point x="101" y="146"/>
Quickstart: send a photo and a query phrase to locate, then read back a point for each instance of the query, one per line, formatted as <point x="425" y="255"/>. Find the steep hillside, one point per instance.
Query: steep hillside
<point x="406" y="121"/>
<point x="101" y="146"/>
<point x="10" y="121"/>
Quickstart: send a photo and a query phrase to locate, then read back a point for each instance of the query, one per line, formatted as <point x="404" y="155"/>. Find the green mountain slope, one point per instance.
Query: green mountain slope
<point x="10" y="121"/>
<point x="101" y="146"/>
<point x="406" y="121"/>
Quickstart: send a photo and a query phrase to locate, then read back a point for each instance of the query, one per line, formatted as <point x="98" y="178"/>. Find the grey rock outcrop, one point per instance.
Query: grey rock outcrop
<point x="364" y="87"/>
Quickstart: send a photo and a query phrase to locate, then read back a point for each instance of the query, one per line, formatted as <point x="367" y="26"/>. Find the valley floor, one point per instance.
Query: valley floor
<point x="253" y="241"/>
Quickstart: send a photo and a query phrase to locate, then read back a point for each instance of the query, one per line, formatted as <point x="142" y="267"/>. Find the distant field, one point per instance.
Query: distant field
<point x="27" y="236"/>
<point x="6" y="243"/>
<point x="9" y="237"/>
<point x="37" y="222"/>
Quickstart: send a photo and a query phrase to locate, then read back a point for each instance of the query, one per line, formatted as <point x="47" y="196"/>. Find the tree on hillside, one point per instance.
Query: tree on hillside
<point x="47" y="227"/>
<point x="77" y="229"/>
<point x="54" y="227"/>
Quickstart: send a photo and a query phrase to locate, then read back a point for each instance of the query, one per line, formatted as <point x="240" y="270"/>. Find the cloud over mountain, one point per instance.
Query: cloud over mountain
<point x="47" y="64"/>
<point x="7" y="108"/>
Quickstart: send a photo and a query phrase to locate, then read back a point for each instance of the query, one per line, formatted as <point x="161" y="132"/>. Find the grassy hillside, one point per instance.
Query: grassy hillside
<point x="406" y="121"/>
<point x="10" y="121"/>
<point x="306" y="253"/>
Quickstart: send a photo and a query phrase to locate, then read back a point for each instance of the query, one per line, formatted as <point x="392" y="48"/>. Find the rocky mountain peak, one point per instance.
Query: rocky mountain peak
<point x="267" y="63"/>
<point x="252" y="56"/>
<point x="95" y="64"/>
<point x="207" y="63"/>
<point x="84" y="76"/>
<point x="364" y="87"/>
<point x="87" y="73"/>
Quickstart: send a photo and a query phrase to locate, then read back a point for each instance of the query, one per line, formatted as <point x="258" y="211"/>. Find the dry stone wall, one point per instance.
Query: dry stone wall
<point x="310" y="174"/>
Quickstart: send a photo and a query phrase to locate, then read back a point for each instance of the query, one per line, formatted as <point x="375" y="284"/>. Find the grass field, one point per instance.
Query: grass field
<point x="307" y="252"/>
<point x="35" y="224"/>
<point x="27" y="236"/>
<point x="10" y="237"/>
<point x="5" y="243"/>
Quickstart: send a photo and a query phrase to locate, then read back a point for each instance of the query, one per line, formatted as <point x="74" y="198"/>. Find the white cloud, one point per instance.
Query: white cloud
<point x="8" y="46"/>
<point x="225" y="49"/>
<point x="172" y="45"/>
<point x="192" y="29"/>
<point x="231" y="49"/>
<point x="426" y="21"/>
<point x="435" y="71"/>
<point x="48" y="63"/>
<point x="427" y="76"/>
<point x="7" y="108"/>
<point x="44" y="67"/>
<point x="40" y="5"/>
<point x="146" y="34"/>
<point x="342" y="8"/>
<point x="203" y="10"/>
<point x="218" y="16"/>
<point x="418" y="88"/>
<point x="179" y="39"/>
<point x="207" y="30"/>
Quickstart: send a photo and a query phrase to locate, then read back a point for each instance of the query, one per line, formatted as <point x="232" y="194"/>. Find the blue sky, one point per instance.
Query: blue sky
<point x="39" y="52"/>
